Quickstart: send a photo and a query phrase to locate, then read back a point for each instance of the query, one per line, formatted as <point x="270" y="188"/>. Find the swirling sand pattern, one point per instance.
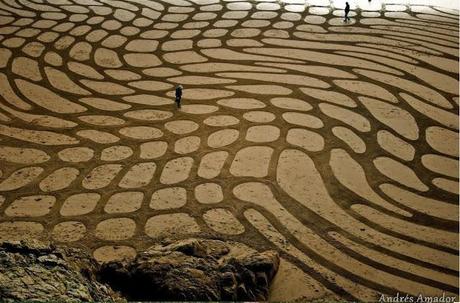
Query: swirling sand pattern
<point x="335" y="144"/>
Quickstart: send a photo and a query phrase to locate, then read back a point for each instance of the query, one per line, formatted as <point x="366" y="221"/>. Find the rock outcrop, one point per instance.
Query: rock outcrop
<point x="34" y="271"/>
<point x="194" y="270"/>
<point x="185" y="270"/>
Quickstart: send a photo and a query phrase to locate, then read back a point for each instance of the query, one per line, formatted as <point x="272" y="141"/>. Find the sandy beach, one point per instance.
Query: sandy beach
<point x="334" y="143"/>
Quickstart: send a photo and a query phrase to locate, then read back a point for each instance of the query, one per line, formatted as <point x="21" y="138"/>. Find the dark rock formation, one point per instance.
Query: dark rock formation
<point x="41" y="272"/>
<point x="192" y="270"/>
<point x="186" y="270"/>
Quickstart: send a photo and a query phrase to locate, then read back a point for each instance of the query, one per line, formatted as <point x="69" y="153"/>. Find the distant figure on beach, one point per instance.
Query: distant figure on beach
<point x="178" y="95"/>
<point x="347" y="10"/>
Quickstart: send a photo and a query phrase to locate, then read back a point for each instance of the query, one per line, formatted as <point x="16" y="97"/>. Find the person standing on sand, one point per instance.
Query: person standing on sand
<point x="178" y="95"/>
<point x="347" y="10"/>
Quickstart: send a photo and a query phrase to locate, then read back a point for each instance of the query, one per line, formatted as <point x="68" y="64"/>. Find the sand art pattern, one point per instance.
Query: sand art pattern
<point x="335" y="144"/>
